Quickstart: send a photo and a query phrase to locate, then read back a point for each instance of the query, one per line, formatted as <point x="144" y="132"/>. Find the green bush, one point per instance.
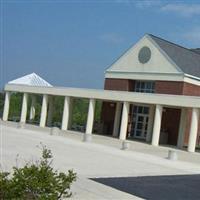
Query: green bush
<point x="36" y="180"/>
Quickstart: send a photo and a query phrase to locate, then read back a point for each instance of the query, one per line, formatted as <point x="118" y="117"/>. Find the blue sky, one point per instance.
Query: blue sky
<point x="71" y="43"/>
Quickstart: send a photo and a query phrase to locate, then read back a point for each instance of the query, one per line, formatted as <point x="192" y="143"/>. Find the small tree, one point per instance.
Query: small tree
<point x="36" y="180"/>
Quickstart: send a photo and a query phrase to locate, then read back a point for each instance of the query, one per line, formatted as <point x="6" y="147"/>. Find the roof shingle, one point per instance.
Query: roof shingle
<point x="186" y="59"/>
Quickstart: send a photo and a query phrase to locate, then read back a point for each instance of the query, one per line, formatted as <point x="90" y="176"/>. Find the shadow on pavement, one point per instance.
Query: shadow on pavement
<point x="175" y="187"/>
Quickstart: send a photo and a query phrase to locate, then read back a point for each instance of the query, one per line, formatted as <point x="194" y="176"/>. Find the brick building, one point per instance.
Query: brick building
<point x="153" y="65"/>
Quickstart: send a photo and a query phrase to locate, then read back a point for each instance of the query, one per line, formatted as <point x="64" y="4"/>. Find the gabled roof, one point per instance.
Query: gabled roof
<point x="197" y="50"/>
<point x="186" y="59"/>
<point x="159" y="67"/>
<point x="31" y="80"/>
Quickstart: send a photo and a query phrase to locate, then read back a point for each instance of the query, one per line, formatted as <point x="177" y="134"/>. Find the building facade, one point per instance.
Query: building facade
<point x="151" y="93"/>
<point x="153" y="65"/>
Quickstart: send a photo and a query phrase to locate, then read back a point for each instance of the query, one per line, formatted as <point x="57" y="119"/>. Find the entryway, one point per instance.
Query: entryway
<point x="139" y="119"/>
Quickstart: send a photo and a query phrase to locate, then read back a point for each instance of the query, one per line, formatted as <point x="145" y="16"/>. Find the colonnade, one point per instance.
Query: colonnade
<point x="120" y="120"/>
<point x="157" y="125"/>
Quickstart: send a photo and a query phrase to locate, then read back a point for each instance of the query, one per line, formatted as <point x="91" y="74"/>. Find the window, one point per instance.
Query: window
<point x="145" y="86"/>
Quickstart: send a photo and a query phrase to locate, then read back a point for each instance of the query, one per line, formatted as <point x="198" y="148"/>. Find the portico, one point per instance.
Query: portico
<point x="122" y="99"/>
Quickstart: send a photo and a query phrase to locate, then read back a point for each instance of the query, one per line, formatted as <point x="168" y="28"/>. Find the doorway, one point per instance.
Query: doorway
<point x="141" y="126"/>
<point x="139" y="123"/>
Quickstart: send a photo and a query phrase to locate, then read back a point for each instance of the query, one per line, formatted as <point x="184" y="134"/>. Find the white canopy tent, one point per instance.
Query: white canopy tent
<point x="32" y="80"/>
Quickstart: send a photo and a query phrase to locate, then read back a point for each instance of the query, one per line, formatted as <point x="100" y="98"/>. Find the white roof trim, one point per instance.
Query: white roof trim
<point x="192" y="77"/>
<point x="146" y="76"/>
<point x="191" y="80"/>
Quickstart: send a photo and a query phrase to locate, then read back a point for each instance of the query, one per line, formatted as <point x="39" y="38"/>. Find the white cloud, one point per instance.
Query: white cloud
<point x="147" y="3"/>
<point x="111" y="38"/>
<point x="141" y="4"/>
<point x="192" y="36"/>
<point x="182" y="9"/>
<point x="122" y="1"/>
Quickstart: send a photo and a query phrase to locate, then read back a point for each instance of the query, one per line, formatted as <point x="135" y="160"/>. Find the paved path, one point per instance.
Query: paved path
<point x="90" y="160"/>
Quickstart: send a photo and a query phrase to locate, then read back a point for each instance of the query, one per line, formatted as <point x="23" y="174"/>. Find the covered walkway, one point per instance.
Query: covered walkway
<point x="157" y="101"/>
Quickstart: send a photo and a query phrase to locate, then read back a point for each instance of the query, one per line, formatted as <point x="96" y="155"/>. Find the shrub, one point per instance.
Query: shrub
<point x="36" y="180"/>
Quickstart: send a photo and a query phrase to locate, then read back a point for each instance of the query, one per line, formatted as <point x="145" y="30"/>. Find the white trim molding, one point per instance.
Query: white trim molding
<point x="145" y="76"/>
<point x="132" y="97"/>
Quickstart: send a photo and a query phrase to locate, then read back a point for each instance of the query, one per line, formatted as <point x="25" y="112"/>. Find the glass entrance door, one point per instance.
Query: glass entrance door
<point x="139" y="122"/>
<point x="141" y="126"/>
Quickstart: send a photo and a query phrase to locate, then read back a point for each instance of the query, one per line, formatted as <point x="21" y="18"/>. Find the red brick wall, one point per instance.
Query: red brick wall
<point x="169" y="87"/>
<point x="177" y="88"/>
<point x="171" y="116"/>
<point x="119" y="84"/>
<point x="108" y="108"/>
<point x="191" y="90"/>
<point x="108" y="116"/>
<point x="170" y="124"/>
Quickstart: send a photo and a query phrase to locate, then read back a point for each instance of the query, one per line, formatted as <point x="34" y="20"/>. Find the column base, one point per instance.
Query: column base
<point x="172" y="155"/>
<point x="190" y="151"/>
<point x="115" y="135"/>
<point x="54" y="131"/>
<point x="87" y="137"/>
<point x="180" y="146"/>
<point x="21" y="125"/>
<point x="125" y="145"/>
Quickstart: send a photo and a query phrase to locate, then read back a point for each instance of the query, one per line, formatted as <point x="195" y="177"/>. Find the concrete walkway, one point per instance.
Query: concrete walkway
<point x="101" y="158"/>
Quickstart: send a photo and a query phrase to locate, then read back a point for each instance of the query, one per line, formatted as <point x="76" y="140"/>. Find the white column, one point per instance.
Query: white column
<point x="157" y="125"/>
<point x="6" y="106"/>
<point x="50" y="111"/>
<point x="43" y="115"/>
<point x="24" y="108"/>
<point x="32" y="108"/>
<point x="90" y="117"/>
<point x="70" y="113"/>
<point x="193" y="130"/>
<point x="124" y="121"/>
<point x="150" y="123"/>
<point x="117" y="119"/>
<point x="182" y="125"/>
<point x="65" y="117"/>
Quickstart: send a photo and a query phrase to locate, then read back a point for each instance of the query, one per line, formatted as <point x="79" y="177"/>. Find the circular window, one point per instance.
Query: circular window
<point x="144" y="55"/>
